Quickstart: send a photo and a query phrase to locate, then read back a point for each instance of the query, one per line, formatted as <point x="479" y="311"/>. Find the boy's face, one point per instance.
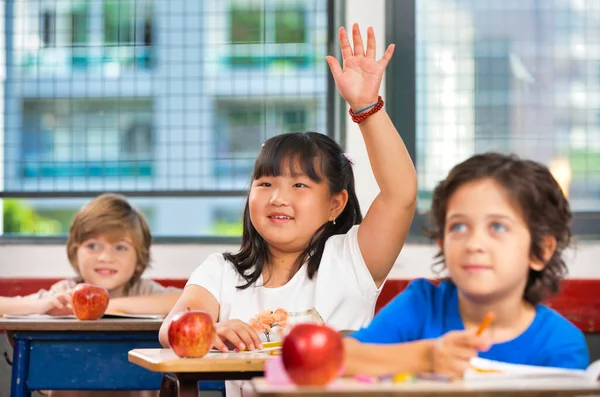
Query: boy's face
<point x="107" y="262"/>
<point x="487" y="243"/>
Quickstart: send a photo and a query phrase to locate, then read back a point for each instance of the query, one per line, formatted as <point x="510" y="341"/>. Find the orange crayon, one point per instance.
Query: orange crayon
<point x="487" y="320"/>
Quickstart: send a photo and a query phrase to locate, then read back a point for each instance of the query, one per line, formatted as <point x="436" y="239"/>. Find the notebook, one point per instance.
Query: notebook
<point x="487" y="370"/>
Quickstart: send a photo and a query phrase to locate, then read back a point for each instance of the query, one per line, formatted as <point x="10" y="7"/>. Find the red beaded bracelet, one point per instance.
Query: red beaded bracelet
<point x="360" y="117"/>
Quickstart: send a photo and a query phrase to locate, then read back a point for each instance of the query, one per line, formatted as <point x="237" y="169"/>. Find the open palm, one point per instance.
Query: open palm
<point x="359" y="80"/>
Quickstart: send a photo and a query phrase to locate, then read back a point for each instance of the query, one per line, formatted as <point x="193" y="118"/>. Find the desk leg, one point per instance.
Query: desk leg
<point x="178" y="385"/>
<point x="20" y="370"/>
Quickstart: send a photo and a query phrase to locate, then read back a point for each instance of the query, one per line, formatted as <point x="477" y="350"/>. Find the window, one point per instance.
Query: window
<point x="127" y="22"/>
<point x="128" y="26"/>
<point x="271" y="24"/>
<point x="242" y="128"/>
<point x="483" y="82"/>
<point x="79" y="24"/>
<point x="93" y="138"/>
<point x="70" y="30"/>
<point x="48" y="28"/>
<point x="94" y="110"/>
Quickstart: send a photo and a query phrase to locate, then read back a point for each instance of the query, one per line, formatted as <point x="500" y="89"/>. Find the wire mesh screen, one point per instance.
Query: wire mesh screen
<point x="519" y="76"/>
<point x="155" y="98"/>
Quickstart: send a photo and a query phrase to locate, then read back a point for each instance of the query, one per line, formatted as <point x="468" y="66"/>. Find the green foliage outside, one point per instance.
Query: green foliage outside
<point x="20" y="218"/>
<point x="227" y="229"/>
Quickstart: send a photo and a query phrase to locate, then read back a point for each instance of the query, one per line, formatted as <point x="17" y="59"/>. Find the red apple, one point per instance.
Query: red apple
<point x="312" y="354"/>
<point x="191" y="333"/>
<point x="89" y="301"/>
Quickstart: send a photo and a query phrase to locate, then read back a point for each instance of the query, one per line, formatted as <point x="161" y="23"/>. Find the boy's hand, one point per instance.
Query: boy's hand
<point x="237" y="333"/>
<point x="59" y="304"/>
<point x="453" y="351"/>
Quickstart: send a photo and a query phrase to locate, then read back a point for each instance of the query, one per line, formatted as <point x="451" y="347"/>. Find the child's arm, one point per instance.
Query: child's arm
<point x="154" y="304"/>
<point x="448" y="355"/>
<point x="385" y="227"/>
<point x="236" y="332"/>
<point x="55" y="305"/>
<point x="21" y="307"/>
<point x="376" y="360"/>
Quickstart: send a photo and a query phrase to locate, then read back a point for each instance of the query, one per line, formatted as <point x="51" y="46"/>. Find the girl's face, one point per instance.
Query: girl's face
<point x="486" y="242"/>
<point x="106" y="262"/>
<point x="287" y="210"/>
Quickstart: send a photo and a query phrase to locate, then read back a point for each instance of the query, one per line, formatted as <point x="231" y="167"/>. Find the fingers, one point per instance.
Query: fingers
<point x="387" y="56"/>
<point x="334" y="66"/>
<point x="471" y="340"/>
<point x="218" y="344"/>
<point x="230" y="335"/>
<point x="371" y="43"/>
<point x="453" y="352"/>
<point x="453" y="368"/>
<point x="254" y="338"/>
<point x="239" y="334"/>
<point x="345" y="44"/>
<point x="65" y="298"/>
<point x="359" y="49"/>
<point x="460" y="353"/>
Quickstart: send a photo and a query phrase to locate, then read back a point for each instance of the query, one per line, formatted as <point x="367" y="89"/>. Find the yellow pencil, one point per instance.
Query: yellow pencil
<point x="267" y="345"/>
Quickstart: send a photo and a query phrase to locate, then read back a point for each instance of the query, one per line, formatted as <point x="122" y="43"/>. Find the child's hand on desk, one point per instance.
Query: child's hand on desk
<point x="453" y="351"/>
<point x="236" y="333"/>
<point x="59" y="304"/>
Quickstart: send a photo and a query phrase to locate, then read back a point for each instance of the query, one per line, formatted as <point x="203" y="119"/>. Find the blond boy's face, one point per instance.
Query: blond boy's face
<point x="107" y="262"/>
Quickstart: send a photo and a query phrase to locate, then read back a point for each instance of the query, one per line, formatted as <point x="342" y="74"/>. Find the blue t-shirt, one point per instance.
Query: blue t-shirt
<point x="426" y="311"/>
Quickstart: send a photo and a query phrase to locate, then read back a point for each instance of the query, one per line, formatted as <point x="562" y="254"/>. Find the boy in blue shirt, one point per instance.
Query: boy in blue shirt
<point x="502" y="225"/>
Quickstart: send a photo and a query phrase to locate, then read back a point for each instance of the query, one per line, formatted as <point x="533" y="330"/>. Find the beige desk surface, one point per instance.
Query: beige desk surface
<point x="350" y="387"/>
<point x="164" y="360"/>
<point x="59" y="324"/>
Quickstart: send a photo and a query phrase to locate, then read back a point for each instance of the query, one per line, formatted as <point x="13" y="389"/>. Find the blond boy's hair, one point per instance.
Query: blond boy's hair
<point x="111" y="215"/>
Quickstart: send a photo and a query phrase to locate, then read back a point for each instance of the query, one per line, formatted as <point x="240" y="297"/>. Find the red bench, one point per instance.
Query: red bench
<point x="577" y="300"/>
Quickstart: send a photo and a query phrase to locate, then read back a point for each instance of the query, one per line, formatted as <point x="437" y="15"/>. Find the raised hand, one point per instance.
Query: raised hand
<point x="359" y="80"/>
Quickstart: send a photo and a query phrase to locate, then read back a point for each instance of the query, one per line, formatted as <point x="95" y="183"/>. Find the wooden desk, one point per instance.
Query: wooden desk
<point x="182" y="374"/>
<point x="548" y="387"/>
<point x="68" y="354"/>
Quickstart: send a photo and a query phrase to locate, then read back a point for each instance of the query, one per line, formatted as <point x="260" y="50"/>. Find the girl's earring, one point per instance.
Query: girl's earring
<point x="334" y="221"/>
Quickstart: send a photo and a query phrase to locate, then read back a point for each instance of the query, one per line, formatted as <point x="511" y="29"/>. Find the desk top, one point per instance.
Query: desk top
<point x="350" y="387"/>
<point x="62" y="324"/>
<point x="165" y="360"/>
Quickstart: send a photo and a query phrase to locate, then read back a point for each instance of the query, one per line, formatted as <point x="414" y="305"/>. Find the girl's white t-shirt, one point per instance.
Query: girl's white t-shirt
<point x="342" y="294"/>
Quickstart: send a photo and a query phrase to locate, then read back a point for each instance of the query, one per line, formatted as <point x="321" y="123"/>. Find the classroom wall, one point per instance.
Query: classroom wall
<point x="179" y="260"/>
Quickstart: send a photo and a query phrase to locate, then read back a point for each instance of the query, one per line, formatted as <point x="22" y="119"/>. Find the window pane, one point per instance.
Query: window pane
<point x="119" y="21"/>
<point x="512" y="76"/>
<point x="290" y="26"/>
<point x="163" y="99"/>
<point x="179" y="217"/>
<point x="79" y="23"/>
<point x="246" y="25"/>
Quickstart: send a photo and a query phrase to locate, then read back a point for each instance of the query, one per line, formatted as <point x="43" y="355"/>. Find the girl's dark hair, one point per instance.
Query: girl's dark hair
<point x="320" y="158"/>
<point x="543" y="205"/>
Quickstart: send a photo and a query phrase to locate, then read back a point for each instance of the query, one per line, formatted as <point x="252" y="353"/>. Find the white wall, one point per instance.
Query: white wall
<point x="178" y="261"/>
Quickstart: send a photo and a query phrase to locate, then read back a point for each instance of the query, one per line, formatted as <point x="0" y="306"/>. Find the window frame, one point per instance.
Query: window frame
<point x="401" y="103"/>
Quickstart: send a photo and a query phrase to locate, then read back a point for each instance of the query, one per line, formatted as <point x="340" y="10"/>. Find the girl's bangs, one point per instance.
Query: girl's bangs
<point x="292" y="157"/>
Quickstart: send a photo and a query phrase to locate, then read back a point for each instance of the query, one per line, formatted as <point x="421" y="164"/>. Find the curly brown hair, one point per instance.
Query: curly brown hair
<point x="111" y="214"/>
<point x="544" y="207"/>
